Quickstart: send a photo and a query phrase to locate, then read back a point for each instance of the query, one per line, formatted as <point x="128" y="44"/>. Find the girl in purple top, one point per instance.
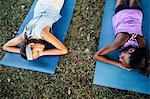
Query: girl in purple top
<point x="127" y="23"/>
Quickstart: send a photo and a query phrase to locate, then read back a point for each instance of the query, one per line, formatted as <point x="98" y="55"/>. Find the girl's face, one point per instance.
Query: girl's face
<point x="37" y="49"/>
<point x="125" y="55"/>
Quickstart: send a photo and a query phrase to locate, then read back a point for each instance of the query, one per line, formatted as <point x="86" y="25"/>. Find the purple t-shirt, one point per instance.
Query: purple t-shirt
<point x="128" y="20"/>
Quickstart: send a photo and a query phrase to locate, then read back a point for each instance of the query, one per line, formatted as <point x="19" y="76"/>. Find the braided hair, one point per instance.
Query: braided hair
<point x="139" y="60"/>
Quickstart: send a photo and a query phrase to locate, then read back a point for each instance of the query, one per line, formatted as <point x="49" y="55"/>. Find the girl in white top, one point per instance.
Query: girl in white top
<point x="36" y="34"/>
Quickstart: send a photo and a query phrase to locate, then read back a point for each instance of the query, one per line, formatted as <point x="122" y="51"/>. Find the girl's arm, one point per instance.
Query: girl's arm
<point x="101" y="54"/>
<point x="59" y="49"/>
<point x="11" y="45"/>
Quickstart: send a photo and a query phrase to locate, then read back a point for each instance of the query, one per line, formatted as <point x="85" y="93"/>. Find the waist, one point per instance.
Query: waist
<point x="46" y="15"/>
<point x="129" y="29"/>
<point x="129" y="13"/>
<point x="45" y="12"/>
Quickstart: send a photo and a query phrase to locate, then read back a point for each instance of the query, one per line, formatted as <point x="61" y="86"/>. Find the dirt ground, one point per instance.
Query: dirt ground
<point x="74" y="74"/>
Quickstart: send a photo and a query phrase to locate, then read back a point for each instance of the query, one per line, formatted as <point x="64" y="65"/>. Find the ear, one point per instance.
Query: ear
<point x="31" y="44"/>
<point x="131" y="50"/>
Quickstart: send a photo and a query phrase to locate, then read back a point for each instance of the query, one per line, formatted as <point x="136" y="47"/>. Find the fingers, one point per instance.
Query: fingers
<point x="95" y="55"/>
<point x="37" y="55"/>
<point x="128" y="68"/>
<point x="125" y="67"/>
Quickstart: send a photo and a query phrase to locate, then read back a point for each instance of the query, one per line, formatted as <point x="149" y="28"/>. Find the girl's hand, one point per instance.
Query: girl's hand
<point x="11" y="45"/>
<point x="124" y="66"/>
<point x="37" y="55"/>
<point x="95" y="55"/>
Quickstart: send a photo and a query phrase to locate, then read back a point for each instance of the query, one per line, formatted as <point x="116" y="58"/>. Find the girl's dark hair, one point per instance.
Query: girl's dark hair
<point x="139" y="60"/>
<point x="23" y="50"/>
<point x="28" y="41"/>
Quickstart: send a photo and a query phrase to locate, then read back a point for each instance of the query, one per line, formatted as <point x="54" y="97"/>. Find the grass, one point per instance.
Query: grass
<point x="74" y="75"/>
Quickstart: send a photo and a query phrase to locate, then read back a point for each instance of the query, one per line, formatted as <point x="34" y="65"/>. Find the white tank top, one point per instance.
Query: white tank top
<point x="46" y="12"/>
<point x="49" y="4"/>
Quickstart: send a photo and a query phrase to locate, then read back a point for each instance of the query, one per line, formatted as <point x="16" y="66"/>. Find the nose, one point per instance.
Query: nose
<point x="120" y="58"/>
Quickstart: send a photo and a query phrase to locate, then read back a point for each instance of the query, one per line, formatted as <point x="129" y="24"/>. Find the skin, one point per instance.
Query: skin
<point x="124" y="56"/>
<point x="120" y="40"/>
<point x="38" y="49"/>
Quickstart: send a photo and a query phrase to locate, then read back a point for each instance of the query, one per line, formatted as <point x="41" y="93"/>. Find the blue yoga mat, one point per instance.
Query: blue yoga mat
<point x="46" y="64"/>
<point x="113" y="76"/>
